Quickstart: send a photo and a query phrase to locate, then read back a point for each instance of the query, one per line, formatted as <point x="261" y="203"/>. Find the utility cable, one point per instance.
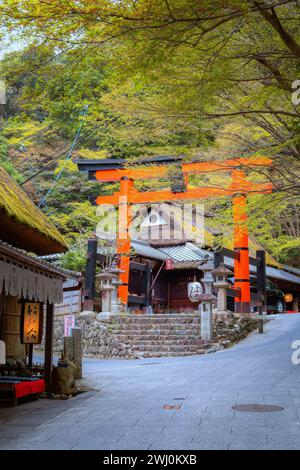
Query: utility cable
<point x="43" y="200"/>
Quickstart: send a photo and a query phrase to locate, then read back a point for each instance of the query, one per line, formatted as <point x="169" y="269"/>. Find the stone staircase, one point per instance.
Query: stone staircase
<point x="160" y="335"/>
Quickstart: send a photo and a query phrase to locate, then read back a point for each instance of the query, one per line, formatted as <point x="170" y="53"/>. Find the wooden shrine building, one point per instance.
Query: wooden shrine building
<point x="29" y="287"/>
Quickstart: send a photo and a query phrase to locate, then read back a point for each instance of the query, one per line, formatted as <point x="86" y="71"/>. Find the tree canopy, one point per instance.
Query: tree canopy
<point x="209" y="80"/>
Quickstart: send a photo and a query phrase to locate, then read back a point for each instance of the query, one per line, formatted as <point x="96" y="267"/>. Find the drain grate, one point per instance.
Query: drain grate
<point x="257" y="408"/>
<point x="179" y="398"/>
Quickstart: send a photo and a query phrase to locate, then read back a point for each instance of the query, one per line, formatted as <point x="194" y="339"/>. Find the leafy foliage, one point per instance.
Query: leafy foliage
<point x="208" y="79"/>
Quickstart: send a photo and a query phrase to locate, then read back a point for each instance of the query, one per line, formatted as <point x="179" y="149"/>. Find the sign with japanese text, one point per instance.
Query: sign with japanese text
<point x="69" y="323"/>
<point x="32" y="323"/>
<point x="169" y="264"/>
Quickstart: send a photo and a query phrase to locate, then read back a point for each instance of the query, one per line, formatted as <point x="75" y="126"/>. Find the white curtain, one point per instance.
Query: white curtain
<point x="29" y="284"/>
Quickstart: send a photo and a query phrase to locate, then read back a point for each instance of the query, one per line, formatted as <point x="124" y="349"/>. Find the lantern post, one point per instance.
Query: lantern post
<point x="221" y="273"/>
<point x="207" y="299"/>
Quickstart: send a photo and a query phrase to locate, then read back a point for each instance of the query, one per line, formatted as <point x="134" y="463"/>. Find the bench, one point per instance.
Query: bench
<point x="13" y="388"/>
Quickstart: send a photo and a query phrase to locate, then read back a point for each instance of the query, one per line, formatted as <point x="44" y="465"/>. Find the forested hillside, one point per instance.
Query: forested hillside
<point x="131" y="79"/>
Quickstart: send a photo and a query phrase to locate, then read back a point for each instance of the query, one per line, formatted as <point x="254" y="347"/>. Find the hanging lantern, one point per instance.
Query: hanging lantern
<point x="288" y="297"/>
<point x="194" y="291"/>
<point x="31" y="323"/>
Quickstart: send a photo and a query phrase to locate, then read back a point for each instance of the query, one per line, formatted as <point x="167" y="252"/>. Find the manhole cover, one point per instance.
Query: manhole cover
<point x="171" y="407"/>
<point x="258" y="408"/>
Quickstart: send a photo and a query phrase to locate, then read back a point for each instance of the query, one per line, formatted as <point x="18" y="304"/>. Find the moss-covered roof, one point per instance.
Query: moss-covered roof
<point x="23" y="224"/>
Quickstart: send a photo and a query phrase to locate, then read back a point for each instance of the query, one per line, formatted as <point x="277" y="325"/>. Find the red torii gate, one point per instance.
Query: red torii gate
<point x="238" y="189"/>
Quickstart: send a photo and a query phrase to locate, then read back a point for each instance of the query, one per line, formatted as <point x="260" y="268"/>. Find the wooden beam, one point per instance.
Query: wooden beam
<point x="138" y="266"/>
<point x="90" y="272"/>
<point x="135" y="197"/>
<point x="157" y="171"/>
<point x="136" y="299"/>
<point x="234" y="292"/>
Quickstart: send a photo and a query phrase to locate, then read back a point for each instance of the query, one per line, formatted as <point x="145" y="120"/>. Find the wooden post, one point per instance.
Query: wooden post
<point x="90" y="271"/>
<point x="241" y="244"/>
<point x="261" y="277"/>
<point x="49" y="345"/>
<point x="2" y="301"/>
<point x="77" y="351"/>
<point x="148" y="284"/>
<point x="218" y="258"/>
<point x="30" y="354"/>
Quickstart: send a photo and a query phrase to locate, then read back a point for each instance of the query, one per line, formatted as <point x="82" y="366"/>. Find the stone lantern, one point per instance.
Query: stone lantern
<point x="207" y="299"/>
<point x="221" y="284"/>
<point x="208" y="277"/>
<point x="104" y="283"/>
<point x="116" y="304"/>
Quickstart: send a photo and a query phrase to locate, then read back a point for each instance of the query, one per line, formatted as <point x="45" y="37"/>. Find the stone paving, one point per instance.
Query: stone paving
<point x="128" y="410"/>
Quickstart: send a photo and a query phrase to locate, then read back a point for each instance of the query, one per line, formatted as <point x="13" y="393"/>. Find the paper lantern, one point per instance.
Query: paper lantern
<point x="31" y="323"/>
<point x="288" y="297"/>
<point x="194" y="291"/>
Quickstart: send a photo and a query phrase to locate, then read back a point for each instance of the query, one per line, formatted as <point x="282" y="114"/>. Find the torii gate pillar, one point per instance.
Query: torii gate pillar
<point x="123" y="240"/>
<point x="241" y="246"/>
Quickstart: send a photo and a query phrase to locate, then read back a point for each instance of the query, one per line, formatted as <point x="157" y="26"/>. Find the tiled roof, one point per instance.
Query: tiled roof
<point x="186" y="252"/>
<point x="144" y="249"/>
<point x="273" y="273"/>
<point x="189" y="254"/>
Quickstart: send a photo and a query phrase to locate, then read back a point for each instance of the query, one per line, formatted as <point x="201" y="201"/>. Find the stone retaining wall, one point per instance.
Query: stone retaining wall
<point x="96" y="338"/>
<point x="100" y="341"/>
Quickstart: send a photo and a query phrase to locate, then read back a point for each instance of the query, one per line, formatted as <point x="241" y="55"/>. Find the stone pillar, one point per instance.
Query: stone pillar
<point x="296" y="304"/>
<point x="77" y="354"/>
<point x="206" y="316"/>
<point x="106" y="301"/>
<point x="68" y="347"/>
<point x="2" y="352"/>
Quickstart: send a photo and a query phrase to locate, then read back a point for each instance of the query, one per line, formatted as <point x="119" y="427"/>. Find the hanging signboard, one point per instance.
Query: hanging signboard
<point x="69" y="323"/>
<point x="169" y="263"/>
<point x="31" y="323"/>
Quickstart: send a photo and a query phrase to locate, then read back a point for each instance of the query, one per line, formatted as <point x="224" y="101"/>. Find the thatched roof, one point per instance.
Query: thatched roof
<point x="204" y="233"/>
<point x="22" y="224"/>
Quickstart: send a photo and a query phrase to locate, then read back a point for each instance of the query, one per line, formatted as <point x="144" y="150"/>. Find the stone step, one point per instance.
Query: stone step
<point x="161" y="338"/>
<point x="160" y="328"/>
<point x="159" y="343"/>
<point x="167" y="347"/>
<point x="141" y="319"/>
<point x="159" y="335"/>
<point x="158" y="354"/>
<point x="158" y="316"/>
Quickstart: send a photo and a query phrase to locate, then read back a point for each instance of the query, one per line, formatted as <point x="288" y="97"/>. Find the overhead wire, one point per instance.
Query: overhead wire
<point x="69" y="154"/>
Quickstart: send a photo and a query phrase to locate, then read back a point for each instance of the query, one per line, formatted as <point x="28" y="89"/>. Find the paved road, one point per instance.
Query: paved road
<point x="128" y="412"/>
